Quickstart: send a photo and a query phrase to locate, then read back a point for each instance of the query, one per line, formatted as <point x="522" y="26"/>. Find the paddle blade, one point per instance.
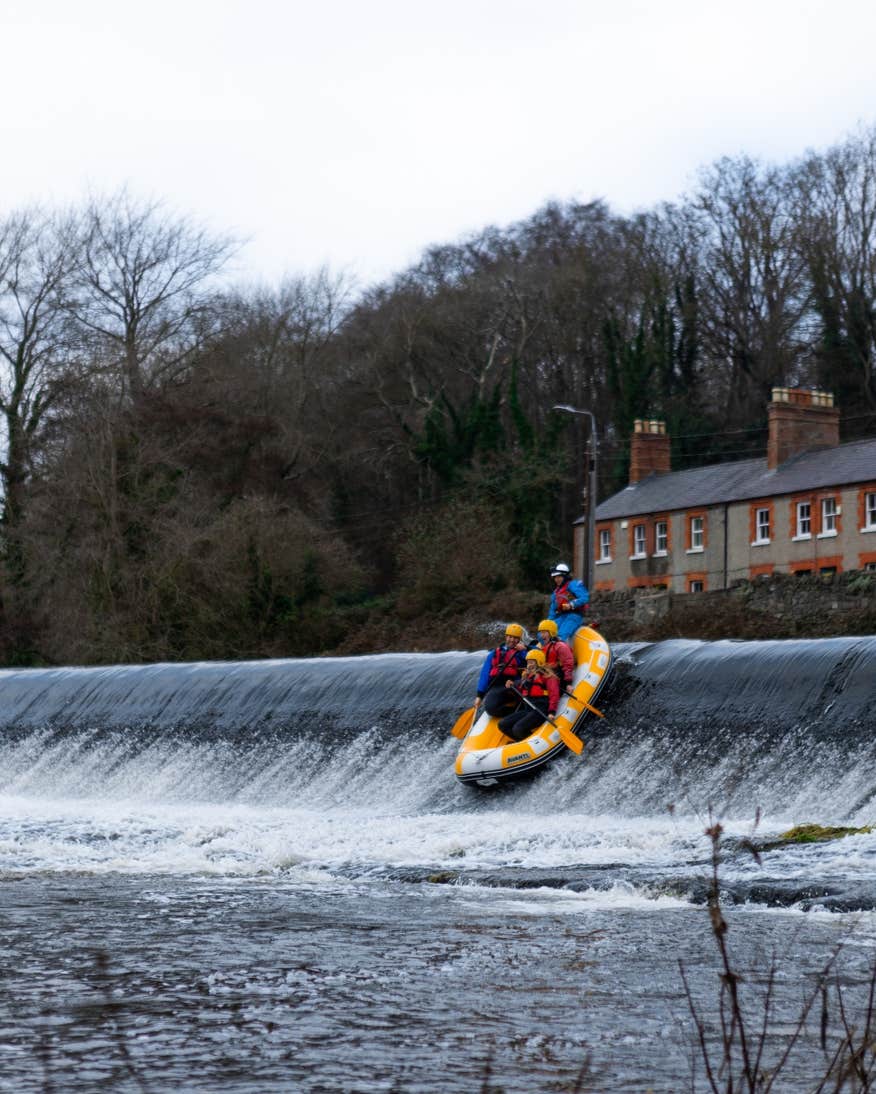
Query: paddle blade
<point x="587" y="706"/>
<point x="463" y="723"/>
<point x="571" y="741"/>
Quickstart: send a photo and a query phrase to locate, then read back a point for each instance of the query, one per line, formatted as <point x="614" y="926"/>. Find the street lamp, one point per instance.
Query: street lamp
<point x="591" y="490"/>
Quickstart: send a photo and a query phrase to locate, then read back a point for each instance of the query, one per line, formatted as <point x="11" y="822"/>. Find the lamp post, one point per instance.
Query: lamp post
<point x="591" y="490"/>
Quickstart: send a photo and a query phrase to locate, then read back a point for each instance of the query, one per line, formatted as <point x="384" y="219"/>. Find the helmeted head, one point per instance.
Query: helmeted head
<point x="548" y="627"/>
<point x="513" y="630"/>
<point x="535" y="656"/>
<point x="561" y="571"/>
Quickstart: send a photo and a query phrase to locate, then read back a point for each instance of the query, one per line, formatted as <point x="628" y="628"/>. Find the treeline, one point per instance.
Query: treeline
<point x="193" y="471"/>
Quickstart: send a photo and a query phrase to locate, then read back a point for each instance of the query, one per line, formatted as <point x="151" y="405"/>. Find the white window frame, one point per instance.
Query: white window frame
<point x="804" y="520"/>
<point x="701" y="586"/>
<point x="658" y="550"/>
<point x="604" y="547"/>
<point x="760" y="540"/>
<point x="869" y="512"/>
<point x="829" y="513"/>
<point x="697" y="535"/>
<point x="640" y="542"/>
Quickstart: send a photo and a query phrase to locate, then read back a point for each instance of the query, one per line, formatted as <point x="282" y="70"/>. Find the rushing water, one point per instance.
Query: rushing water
<point x="265" y="876"/>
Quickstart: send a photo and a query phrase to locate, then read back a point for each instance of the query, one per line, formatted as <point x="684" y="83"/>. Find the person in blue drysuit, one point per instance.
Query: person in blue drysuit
<point x="568" y="601"/>
<point x="502" y="666"/>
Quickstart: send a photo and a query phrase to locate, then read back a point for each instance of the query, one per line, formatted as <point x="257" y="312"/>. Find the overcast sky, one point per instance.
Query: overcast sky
<point x="357" y="133"/>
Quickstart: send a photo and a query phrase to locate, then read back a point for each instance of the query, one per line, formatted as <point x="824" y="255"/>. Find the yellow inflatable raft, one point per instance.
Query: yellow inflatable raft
<point x="487" y="757"/>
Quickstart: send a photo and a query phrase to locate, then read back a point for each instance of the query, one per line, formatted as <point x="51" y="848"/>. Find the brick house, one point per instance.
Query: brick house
<point x="809" y="506"/>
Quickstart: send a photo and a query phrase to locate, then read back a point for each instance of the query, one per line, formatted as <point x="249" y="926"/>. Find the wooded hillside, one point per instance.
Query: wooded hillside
<point x="193" y="471"/>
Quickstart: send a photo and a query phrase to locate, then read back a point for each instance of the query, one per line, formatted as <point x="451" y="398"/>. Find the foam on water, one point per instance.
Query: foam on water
<point x="97" y="835"/>
<point x="344" y="767"/>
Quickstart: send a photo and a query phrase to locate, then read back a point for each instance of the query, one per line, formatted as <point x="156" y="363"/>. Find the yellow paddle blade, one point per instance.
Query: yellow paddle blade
<point x="571" y="740"/>
<point x="463" y="723"/>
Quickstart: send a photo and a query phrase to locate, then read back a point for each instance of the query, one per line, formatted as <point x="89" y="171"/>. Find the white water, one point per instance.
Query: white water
<point x="294" y="892"/>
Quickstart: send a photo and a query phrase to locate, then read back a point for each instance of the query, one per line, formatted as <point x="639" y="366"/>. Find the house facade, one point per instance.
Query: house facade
<point x="809" y="506"/>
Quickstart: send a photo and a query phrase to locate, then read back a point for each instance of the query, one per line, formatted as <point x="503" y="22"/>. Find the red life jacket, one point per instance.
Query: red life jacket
<point x="505" y="664"/>
<point x="535" y="687"/>
<point x="552" y="657"/>
<point x="562" y="594"/>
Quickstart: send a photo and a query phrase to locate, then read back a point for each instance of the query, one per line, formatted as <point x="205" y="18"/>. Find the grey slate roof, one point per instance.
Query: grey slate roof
<point x="743" y="479"/>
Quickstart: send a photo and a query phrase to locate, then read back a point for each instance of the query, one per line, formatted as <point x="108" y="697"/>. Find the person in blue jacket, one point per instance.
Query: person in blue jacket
<point x="503" y="665"/>
<point x="568" y="601"/>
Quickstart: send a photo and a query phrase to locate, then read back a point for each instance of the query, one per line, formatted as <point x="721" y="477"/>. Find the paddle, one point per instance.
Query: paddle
<point x="464" y="722"/>
<point x="569" y="739"/>
<point x="584" y="704"/>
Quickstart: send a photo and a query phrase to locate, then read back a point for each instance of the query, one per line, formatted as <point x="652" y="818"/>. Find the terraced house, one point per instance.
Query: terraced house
<point x="808" y="506"/>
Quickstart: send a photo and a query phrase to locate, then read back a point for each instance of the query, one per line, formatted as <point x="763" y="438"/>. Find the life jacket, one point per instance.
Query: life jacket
<point x="535" y="687"/>
<point x="563" y="595"/>
<point x="505" y="663"/>
<point x="552" y="657"/>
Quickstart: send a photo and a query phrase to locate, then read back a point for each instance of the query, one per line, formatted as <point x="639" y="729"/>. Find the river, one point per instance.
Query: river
<point x="265" y="876"/>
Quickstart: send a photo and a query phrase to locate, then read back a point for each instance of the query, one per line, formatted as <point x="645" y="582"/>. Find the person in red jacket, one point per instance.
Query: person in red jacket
<point x="557" y="653"/>
<point x="540" y="685"/>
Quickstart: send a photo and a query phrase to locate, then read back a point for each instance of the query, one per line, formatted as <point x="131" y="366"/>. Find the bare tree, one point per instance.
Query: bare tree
<point x="277" y="347"/>
<point x="836" y="207"/>
<point x="265" y="398"/>
<point x="143" y="285"/>
<point x="755" y="288"/>
<point x="34" y="349"/>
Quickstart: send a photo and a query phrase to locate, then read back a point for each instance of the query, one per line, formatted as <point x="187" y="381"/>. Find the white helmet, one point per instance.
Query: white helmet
<point x="562" y="569"/>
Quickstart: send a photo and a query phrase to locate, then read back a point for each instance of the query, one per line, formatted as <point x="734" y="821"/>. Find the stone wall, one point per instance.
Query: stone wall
<point x="780" y="606"/>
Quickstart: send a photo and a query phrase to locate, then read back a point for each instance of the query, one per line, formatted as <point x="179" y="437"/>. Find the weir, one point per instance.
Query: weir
<point x="784" y="726"/>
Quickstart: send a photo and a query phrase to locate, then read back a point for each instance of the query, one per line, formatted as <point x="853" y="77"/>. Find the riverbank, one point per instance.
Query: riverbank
<point x="781" y="606"/>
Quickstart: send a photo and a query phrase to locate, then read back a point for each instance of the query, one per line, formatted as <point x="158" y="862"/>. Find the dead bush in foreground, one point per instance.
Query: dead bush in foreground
<point x="738" y="1060"/>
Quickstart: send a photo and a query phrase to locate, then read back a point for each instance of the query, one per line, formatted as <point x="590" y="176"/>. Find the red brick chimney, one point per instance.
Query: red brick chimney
<point x="800" y="420"/>
<point x="649" y="449"/>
